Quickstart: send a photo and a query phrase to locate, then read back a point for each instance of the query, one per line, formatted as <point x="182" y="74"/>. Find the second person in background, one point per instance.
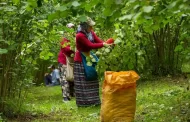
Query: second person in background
<point x="65" y="51"/>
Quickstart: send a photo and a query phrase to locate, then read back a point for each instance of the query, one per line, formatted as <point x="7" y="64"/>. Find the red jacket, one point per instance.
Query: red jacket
<point x="85" y="45"/>
<point x="66" y="50"/>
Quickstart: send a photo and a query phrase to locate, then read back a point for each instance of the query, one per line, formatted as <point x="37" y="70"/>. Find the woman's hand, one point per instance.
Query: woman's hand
<point x="106" y="44"/>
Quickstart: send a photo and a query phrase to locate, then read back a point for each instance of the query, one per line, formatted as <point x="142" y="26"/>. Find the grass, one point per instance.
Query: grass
<point x="163" y="101"/>
<point x="44" y="104"/>
<point x="157" y="101"/>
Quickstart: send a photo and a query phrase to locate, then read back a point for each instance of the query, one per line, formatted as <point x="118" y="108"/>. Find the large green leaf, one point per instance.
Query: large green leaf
<point x="87" y="7"/>
<point x="130" y="65"/>
<point x="107" y="12"/>
<point x="155" y="27"/>
<point x="50" y="54"/>
<point x="31" y="4"/>
<point x="64" y="14"/>
<point x="137" y="17"/>
<point x="178" y="48"/>
<point x="61" y="8"/>
<point x="119" y="1"/>
<point x="108" y="3"/>
<point x="53" y="16"/>
<point x="82" y="18"/>
<point x="148" y="29"/>
<point x="3" y="51"/>
<point x="117" y="41"/>
<point x="16" y="1"/>
<point x="1" y="21"/>
<point x="172" y="5"/>
<point x="75" y="3"/>
<point x="126" y="17"/>
<point x="147" y="9"/>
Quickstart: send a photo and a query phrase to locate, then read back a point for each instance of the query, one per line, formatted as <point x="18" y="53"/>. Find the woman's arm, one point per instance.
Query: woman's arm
<point x="96" y="39"/>
<point x="82" y="39"/>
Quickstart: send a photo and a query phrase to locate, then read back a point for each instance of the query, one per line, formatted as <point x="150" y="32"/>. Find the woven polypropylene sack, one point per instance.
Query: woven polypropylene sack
<point x="119" y="96"/>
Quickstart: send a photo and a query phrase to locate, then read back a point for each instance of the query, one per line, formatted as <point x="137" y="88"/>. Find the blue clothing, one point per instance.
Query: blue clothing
<point x="55" y="77"/>
<point x="48" y="80"/>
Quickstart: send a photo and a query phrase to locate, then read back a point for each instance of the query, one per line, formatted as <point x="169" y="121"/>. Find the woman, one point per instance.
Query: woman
<point x="87" y="92"/>
<point x="66" y="86"/>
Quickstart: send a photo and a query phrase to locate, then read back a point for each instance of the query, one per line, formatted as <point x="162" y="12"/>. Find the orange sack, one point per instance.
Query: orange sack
<point x="119" y="96"/>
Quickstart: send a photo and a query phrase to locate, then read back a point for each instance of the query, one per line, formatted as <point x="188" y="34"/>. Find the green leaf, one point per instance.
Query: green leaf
<point x="172" y="5"/>
<point x="3" y="3"/>
<point x="147" y="9"/>
<point x="46" y="1"/>
<point x="45" y="55"/>
<point x="118" y="1"/>
<point x="75" y="3"/>
<point x="1" y="21"/>
<point x="178" y="48"/>
<point x="3" y="51"/>
<point x="155" y="27"/>
<point x="126" y="17"/>
<point x="148" y="29"/>
<point x="53" y="16"/>
<point x="135" y="7"/>
<point x="64" y="14"/>
<point x="107" y="12"/>
<point x="31" y="4"/>
<point x="108" y="3"/>
<point x="130" y="65"/>
<point x="117" y="41"/>
<point x="140" y="52"/>
<point x="132" y="1"/>
<point x="147" y="17"/>
<point x="28" y="7"/>
<point x="137" y="16"/>
<point x="16" y="1"/>
<point x="13" y="46"/>
<point x="89" y="63"/>
<point x="88" y="7"/>
<point x="62" y="8"/>
<point x="82" y="18"/>
<point x="4" y="41"/>
<point x="50" y="54"/>
<point x="107" y="50"/>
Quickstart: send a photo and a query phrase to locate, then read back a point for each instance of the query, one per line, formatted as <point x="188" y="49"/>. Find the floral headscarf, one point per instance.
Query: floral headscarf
<point x="81" y="28"/>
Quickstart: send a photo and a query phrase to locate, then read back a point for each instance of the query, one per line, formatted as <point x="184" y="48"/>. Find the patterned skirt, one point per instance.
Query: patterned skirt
<point x="87" y="92"/>
<point x="63" y="82"/>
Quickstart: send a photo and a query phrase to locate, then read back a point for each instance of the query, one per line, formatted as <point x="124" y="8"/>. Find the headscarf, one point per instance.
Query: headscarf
<point x="82" y="28"/>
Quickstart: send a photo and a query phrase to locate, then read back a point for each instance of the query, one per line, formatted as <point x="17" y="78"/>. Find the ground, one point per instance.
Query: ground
<point x="165" y="100"/>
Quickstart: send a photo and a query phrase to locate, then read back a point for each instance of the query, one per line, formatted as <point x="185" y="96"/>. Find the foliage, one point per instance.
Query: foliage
<point x="156" y="30"/>
<point x="151" y="37"/>
<point x="22" y="42"/>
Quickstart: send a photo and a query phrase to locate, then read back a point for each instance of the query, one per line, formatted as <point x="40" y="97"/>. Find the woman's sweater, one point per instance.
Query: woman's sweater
<point x="85" y="45"/>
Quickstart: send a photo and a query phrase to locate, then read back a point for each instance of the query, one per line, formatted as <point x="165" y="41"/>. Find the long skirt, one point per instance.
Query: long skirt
<point x="63" y="82"/>
<point x="87" y="92"/>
